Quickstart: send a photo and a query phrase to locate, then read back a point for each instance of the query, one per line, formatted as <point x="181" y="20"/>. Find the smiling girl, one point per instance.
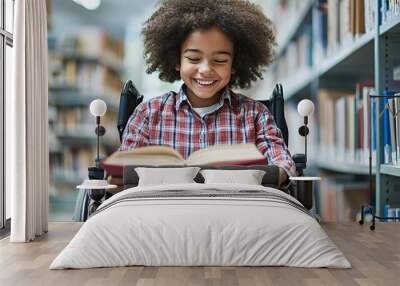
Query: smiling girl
<point x="212" y="46"/>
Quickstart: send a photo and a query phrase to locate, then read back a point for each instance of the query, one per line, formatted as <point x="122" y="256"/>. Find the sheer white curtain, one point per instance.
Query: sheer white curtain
<point x="26" y="124"/>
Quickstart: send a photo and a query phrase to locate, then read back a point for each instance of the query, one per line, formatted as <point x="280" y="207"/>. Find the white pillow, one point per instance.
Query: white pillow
<point x="248" y="177"/>
<point x="164" y="176"/>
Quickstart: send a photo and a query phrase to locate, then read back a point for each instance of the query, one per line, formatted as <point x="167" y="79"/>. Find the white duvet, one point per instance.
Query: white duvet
<point x="185" y="230"/>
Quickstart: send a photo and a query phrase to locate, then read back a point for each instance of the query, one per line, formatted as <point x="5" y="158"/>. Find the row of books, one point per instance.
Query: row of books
<point x="393" y="212"/>
<point x="389" y="9"/>
<point x="84" y="65"/>
<point x="336" y="23"/>
<point x="298" y="54"/>
<point x="90" y="60"/>
<point x="347" y="124"/>
<point x="86" y="76"/>
<point x="285" y="14"/>
<point x="93" y="41"/>
<point x="344" y="124"/>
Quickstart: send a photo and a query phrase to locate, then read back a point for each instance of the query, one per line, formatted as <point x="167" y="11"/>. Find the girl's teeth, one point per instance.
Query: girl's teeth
<point x="205" y="82"/>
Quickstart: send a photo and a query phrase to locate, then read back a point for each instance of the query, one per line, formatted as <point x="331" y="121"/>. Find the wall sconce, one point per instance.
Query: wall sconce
<point x="98" y="108"/>
<point x="305" y="108"/>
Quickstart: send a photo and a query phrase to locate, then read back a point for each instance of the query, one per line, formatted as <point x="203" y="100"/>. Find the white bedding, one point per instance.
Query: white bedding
<point x="189" y="230"/>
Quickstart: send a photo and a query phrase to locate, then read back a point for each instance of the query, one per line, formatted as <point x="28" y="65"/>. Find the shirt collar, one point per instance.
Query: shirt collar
<point x="182" y="97"/>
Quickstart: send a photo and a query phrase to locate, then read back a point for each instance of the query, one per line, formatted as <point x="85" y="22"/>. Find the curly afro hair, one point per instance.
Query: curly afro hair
<point x="244" y="23"/>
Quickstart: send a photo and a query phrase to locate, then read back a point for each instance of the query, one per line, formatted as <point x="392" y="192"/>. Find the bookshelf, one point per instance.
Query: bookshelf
<point x="298" y="17"/>
<point x="350" y="45"/>
<point x="83" y="67"/>
<point x="69" y="96"/>
<point x="360" y="51"/>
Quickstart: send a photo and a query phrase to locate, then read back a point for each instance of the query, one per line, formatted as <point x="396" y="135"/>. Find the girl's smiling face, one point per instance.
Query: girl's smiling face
<point x="206" y="65"/>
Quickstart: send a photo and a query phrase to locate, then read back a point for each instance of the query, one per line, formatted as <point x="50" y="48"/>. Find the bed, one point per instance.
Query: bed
<point x="201" y="224"/>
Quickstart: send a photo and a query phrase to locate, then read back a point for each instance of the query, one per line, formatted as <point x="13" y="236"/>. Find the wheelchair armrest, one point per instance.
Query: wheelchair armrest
<point x="300" y="161"/>
<point x="303" y="195"/>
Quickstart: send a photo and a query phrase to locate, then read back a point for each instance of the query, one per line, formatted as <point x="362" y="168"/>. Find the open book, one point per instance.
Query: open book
<point x="216" y="155"/>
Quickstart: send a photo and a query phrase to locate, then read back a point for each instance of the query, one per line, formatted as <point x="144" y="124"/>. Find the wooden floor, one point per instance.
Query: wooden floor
<point x="374" y="255"/>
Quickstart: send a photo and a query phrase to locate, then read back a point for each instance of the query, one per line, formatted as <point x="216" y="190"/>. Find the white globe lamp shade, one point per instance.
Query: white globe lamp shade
<point x="98" y="107"/>
<point x="305" y="107"/>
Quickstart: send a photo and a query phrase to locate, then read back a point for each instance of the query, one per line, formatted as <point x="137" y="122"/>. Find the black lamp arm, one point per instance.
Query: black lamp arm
<point x="301" y="159"/>
<point x="100" y="131"/>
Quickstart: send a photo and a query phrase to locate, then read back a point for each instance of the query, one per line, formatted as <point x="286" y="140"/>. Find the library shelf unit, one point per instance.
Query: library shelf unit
<point x="82" y="68"/>
<point x="354" y="59"/>
<point x="366" y="56"/>
<point x="68" y="96"/>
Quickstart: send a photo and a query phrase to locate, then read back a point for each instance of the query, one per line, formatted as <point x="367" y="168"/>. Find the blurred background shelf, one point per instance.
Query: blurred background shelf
<point x="391" y="25"/>
<point x="74" y="98"/>
<point x="343" y="167"/>
<point x="353" y="58"/>
<point x="80" y="138"/>
<point x="298" y="82"/>
<point x="292" y="28"/>
<point x="353" y="61"/>
<point x="107" y="59"/>
<point x="391" y="170"/>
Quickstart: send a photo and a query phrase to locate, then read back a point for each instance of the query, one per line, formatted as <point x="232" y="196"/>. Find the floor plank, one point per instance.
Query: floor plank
<point x="374" y="255"/>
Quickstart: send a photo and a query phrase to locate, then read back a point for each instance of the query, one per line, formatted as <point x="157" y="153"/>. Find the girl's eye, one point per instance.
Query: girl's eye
<point x="221" y="61"/>
<point x="193" y="59"/>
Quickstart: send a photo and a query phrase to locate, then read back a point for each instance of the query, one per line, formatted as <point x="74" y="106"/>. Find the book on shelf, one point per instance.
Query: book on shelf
<point x="386" y="132"/>
<point x="391" y="128"/>
<point x="389" y="9"/>
<point x="319" y="31"/>
<point x="333" y="25"/>
<point x="359" y="17"/>
<point x="363" y="90"/>
<point x="369" y="12"/>
<point x="331" y="127"/>
<point x="216" y="155"/>
<point x="341" y="132"/>
<point x="344" y="22"/>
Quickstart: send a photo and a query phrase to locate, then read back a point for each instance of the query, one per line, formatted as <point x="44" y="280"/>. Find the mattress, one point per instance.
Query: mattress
<point x="201" y="225"/>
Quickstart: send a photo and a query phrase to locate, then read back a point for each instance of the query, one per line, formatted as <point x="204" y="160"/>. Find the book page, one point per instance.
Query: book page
<point x="156" y="155"/>
<point x="225" y="153"/>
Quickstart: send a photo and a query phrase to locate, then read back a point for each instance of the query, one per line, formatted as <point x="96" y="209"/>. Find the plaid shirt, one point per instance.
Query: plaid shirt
<point x="171" y="120"/>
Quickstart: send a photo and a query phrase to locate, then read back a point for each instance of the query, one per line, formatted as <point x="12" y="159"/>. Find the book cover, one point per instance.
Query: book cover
<point x="393" y="131"/>
<point x="387" y="141"/>
<point x="373" y="129"/>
